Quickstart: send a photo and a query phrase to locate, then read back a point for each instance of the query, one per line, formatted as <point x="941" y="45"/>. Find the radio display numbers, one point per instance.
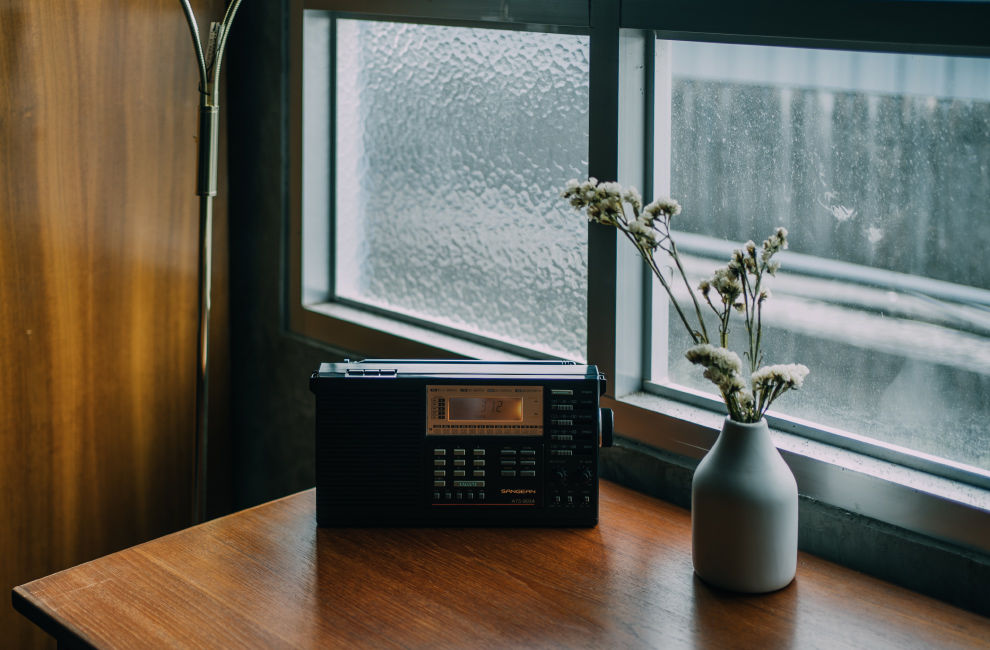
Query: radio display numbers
<point x="485" y="409"/>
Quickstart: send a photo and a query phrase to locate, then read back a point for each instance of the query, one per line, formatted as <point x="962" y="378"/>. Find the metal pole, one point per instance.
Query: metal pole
<point x="206" y="188"/>
<point x="203" y="356"/>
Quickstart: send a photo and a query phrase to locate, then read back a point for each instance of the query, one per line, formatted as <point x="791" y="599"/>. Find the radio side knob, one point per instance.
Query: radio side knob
<point x="560" y="474"/>
<point x="586" y="476"/>
<point x="606" y="421"/>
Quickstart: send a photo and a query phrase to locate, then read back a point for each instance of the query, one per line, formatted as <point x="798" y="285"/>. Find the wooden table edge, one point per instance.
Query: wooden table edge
<point x="64" y="635"/>
<point x="67" y="637"/>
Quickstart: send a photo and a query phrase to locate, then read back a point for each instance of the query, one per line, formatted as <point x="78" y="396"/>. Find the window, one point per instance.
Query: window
<point x="879" y="166"/>
<point x="434" y="142"/>
<point x="451" y="146"/>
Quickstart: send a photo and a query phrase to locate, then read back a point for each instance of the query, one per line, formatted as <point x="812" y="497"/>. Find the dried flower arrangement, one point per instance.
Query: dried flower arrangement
<point x="736" y="286"/>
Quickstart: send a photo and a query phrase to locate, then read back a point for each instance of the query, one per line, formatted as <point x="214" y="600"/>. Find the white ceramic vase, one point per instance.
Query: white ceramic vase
<point x="744" y="512"/>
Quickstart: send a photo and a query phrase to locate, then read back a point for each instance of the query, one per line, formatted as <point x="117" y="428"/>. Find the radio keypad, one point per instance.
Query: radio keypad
<point x="518" y="480"/>
<point x="469" y="487"/>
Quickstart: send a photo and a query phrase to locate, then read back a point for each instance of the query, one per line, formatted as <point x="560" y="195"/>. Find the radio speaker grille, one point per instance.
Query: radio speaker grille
<point x="368" y="447"/>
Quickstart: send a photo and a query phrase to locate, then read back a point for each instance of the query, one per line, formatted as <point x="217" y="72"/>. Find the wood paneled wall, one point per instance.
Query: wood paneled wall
<point x="98" y="263"/>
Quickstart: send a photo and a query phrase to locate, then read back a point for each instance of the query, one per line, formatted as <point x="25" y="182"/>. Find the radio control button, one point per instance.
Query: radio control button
<point x="439" y="483"/>
<point x="460" y="496"/>
<point x="478" y="452"/>
<point x="528" y="463"/>
<point x="478" y="472"/>
<point x="459" y="472"/>
<point x="470" y="496"/>
<point x="440" y="472"/>
<point x="587" y="499"/>
<point x="460" y="462"/>
<point x="481" y="496"/>
<point x="459" y="452"/>
<point x="469" y="484"/>
<point x="439" y="452"/>
<point x="528" y="452"/>
<point x="561" y="391"/>
<point x="528" y="473"/>
<point x="448" y="495"/>
<point x="436" y="496"/>
<point x="439" y="463"/>
<point x="508" y="463"/>
<point x="508" y="472"/>
<point x="479" y="463"/>
<point x="570" y="500"/>
<point x="508" y="452"/>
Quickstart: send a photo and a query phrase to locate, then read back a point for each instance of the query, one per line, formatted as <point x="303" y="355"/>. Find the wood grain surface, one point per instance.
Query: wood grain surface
<point x="267" y="577"/>
<point x="98" y="250"/>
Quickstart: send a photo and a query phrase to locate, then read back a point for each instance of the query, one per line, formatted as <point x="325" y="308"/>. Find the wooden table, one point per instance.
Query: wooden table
<point x="267" y="577"/>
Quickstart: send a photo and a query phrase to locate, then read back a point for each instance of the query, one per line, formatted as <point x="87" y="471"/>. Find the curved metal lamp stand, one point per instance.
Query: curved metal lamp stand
<point x="206" y="188"/>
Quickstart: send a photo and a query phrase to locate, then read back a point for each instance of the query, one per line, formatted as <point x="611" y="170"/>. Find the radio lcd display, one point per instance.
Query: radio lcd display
<point x="484" y="410"/>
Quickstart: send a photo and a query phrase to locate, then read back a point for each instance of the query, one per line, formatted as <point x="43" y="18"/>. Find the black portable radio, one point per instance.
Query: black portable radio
<point x="424" y="442"/>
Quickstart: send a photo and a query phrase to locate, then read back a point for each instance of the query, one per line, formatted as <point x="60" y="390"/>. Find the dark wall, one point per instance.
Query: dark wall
<point x="271" y="407"/>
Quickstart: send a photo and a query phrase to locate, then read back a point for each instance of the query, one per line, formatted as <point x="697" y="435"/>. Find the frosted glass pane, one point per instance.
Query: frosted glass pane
<point x="452" y="146"/>
<point x="878" y="165"/>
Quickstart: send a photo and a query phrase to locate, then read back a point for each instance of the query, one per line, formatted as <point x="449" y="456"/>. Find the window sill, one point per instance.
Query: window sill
<point x="366" y="334"/>
<point x="941" y="508"/>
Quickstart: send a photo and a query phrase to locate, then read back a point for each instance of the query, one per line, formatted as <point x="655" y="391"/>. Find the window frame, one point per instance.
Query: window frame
<point x="622" y="36"/>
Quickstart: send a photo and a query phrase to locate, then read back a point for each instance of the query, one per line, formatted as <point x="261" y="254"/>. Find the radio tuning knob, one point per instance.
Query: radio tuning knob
<point x="586" y="476"/>
<point x="560" y="474"/>
<point x="606" y="425"/>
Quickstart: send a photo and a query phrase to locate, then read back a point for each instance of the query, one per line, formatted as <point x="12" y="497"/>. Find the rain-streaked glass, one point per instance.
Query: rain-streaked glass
<point x="879" y="167"/>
